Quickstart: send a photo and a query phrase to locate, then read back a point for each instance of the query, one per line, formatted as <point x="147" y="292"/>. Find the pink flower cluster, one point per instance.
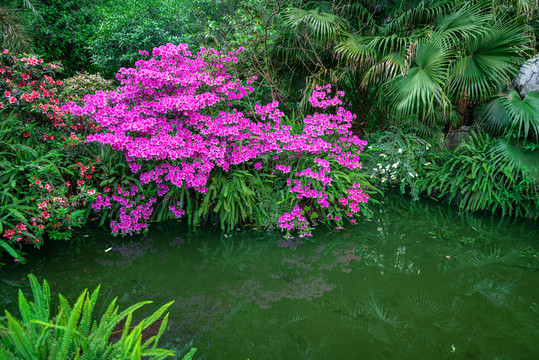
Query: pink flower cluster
<point x="295" y="220"/>
<point x="355" y="197"/>
<point x="165" y="117"/>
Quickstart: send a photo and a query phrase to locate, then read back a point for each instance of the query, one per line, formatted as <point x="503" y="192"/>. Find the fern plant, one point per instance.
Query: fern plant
<point x="76" y="332"/>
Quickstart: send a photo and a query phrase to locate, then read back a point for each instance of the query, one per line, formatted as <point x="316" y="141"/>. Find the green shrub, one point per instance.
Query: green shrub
<point x="62" y="30"/>
<point x="77" y="332"/>
<point x="476" y="178"/>
<point x="129" y="26"/>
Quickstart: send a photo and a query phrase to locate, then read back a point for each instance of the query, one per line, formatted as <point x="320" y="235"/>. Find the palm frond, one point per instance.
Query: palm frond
<point x="322" y="26"/>
<point x="512" y="115"/>
<point x="464" y="23"/>
<point x="423" y="13"/>
<point x="489" y="61"/>
<point x="420" y="91"/>
<point x="513" y="156"/>
<point x="14" y="35"/>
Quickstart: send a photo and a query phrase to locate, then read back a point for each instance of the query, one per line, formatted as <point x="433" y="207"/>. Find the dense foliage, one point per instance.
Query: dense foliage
<point x="183" y="137"/>
<point x="260" y="126"/>
<point x="62" y="31"/>
<point x="476" y="178"/>
<point x="128" y="26"/>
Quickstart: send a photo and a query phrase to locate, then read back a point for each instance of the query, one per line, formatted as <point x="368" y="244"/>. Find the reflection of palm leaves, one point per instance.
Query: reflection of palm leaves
<point x="294" y="319"/>
<point x="497" y="294"/>
<point x="380" y="323"/>
<point x="529" y="332"/>
<point x="433" y="322"/>
<point x="478" y="258"/>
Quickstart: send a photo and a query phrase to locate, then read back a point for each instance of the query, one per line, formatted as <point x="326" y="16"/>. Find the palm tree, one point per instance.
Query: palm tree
<point x="433" y="60"/>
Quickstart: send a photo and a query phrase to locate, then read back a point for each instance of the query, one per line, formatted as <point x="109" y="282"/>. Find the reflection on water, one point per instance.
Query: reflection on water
<point x="417" y="281"/>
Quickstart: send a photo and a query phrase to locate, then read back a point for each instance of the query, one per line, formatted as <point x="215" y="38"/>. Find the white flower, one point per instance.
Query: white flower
<point x="400" y="151"/>
<point x="412" y="175"/>
<point x="427" y="163"/>
<point x="379" y="165"/>
<point x="382" y="171"/>
<point x="370" y="148"/>
<point x="383" y="155"/>
<point x="384" y="179"/>
<point x="394" y="166"/>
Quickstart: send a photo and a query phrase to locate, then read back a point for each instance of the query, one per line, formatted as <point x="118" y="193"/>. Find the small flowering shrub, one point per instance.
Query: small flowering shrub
<point x="27" y="86"/>
<point x="397" y="159"/>
<point x="175" y="119"/>
<point x="84" y="83"/>
<point x="58" y="212"/>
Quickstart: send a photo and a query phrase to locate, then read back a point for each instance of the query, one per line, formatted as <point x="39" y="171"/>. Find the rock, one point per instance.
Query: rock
<point x="455" y="137"/>
<point x="528" y="79"/>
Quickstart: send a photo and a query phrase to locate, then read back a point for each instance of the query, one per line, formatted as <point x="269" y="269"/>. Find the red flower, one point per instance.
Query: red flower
<point x="12" y="100"/>
<point x="9" y="233"/>
<point x="26" y="134"/>
<point x="21" y="227"/>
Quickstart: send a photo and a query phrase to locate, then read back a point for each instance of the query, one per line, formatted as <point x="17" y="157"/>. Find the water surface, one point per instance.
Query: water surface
<point x="417" y="281"/>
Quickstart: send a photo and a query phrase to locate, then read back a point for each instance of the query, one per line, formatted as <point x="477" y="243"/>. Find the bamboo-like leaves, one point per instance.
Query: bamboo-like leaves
<point x="477" y="177"/>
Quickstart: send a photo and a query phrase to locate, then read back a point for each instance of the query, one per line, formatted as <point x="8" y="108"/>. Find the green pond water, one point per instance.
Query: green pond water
<point x="417" y="281"/>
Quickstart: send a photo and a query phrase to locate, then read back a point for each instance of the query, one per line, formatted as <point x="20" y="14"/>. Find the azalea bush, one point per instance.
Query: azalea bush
<point x="175" y="118"/>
